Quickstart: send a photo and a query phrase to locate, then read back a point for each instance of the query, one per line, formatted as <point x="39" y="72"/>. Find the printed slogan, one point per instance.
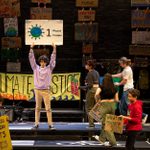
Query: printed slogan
<point x="21" y="86"/>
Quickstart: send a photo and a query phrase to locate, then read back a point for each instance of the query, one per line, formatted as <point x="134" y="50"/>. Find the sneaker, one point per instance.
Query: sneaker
<point x="144" y="119"/>
<point x="97" y="138"/>
<point x="107" y="144"/>
<point x="36" y="126"/>
<point x="51" y="127"/>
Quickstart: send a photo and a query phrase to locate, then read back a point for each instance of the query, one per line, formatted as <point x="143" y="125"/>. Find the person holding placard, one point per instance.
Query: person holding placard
<point x="42" y="80"/>
<point x="108" y="96"/>
<point x="133" y="120"/>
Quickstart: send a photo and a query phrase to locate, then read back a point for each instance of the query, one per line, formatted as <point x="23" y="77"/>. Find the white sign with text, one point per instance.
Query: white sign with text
<point x="44" y="32"/>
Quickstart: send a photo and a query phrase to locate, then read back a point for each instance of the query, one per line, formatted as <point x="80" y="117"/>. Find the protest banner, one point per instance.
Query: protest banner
<point x="5" y="139"/>
<point x="114" y="123"/>
<point x="21" y="87"/>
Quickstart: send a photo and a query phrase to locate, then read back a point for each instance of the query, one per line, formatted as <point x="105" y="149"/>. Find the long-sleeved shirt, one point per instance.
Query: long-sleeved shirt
<point x="135" y="112"/>
<point x="42" y="76"/>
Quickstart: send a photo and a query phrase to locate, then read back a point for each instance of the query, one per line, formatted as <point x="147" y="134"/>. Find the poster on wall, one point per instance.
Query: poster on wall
<point x="41" y="1"/>
<point x="86" y="3"/>
<point x="140" y="18"/>
<point x="139" y="2"/>
<point x="10" y="54"/>
<point x="140" y="37"/>
<point x="44" y="32"/>
<point x="11" y="26"/>
<point x="87" y="32"/>
<point x="15" y="8"/>
<point x="40" y="13"/>
<point x="86" y="15"/>
<point x="64" y="86"/>
<point x="5" y="8"/>
<point x="11" y="42"/>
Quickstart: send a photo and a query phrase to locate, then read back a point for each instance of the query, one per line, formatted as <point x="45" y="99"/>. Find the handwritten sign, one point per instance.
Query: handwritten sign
<point x="5" y="8"/>
<point x="41" y="1"/>
<point x="87" y="3"/>
<point x="87" y="48"/>
<point x="87" y="32"/>
<point x="11" y="26"/>
<point x="95" y="112"/>
<point x="11" y="42"/>
<point x="114" y="123"/>
<point x="44" y="32"/>
<point x="41" y="13"/>
<point x="140" y="37"/>
<point x="5" y="140"/>
<point x="86" y="15"/>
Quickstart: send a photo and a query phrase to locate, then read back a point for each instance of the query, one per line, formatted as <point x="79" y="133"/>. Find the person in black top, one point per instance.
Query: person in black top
<point x="92" y="83"/>
<point x="108" y="96"/>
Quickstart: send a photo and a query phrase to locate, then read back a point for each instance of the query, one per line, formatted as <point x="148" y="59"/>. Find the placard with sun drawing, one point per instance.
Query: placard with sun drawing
<point x="44" y="32"/>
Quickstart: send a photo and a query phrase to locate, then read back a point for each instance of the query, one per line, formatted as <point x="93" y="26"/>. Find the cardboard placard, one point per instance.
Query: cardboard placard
<point x="13" y="67"/>
<point x="87" y="32"/>
<point x="5" y="139"/>
<point x="40" y="13"/>
<point x="95" y="112"/>
<point x="44" y="32"/>
<point x="11" y="42"/>
<point x="140" y="37"/>
<point x="87" y="3"/>
<point x="143" y="50"/>
<point x="41" y="1"/>
<point x="86" y="15"/>
<point x="114" y="123"/>
<point x="87" y="48"/>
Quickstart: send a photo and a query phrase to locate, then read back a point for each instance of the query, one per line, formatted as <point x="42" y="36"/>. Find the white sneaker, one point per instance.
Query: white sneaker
<point x="97" y="138"/>
<point x="144" y="119"/>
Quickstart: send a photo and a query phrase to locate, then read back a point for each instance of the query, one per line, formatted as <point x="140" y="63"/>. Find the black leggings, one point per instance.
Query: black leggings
<point x="131" y="137"/>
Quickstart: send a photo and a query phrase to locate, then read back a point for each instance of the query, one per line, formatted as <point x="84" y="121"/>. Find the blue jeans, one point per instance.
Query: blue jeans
<point x="123" y="106"/>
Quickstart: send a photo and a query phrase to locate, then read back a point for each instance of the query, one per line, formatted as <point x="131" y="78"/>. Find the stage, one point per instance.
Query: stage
<point x="67" y="135"/>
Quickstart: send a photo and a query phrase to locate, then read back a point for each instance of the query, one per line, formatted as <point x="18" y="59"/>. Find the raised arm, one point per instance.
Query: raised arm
<point x="32" y="58"/>
<point x="53" y="58"/>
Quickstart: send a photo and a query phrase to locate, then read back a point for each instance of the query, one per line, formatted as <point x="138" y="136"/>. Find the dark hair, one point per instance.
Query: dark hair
<point x="91" y="63"/>
<point x="108" y="88"/>
<point x="134" y="92"/>
<point x="44" y="58"/>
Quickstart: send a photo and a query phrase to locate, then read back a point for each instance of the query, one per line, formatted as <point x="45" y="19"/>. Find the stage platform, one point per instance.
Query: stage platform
<point x="67" y="135"/>
<point x="73" y="145"/>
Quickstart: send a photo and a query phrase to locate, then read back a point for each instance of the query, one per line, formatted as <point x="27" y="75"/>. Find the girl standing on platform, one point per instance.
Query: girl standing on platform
<point x="127" y="81"/>
<point x="134" y="119"/>
<point x="42" y="79"/>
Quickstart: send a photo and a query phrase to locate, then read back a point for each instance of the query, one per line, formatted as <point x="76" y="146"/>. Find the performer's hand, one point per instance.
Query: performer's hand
<point x="31" y="46"/>
<point x="116" y="84"/>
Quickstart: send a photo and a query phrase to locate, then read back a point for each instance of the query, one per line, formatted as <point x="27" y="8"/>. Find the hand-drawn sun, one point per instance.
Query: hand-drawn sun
<point x="36" y="32"/>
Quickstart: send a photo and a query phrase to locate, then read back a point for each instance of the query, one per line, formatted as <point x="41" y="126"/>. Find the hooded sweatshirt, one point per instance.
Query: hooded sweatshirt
<point x="135" y="112"/>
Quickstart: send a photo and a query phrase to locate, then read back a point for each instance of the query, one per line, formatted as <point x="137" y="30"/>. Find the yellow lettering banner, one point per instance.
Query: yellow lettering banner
<point x="21" y="87"/>
<point x="5" y="140"/>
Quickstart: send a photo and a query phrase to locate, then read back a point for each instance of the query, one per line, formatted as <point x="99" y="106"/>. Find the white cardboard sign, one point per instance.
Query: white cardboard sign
<point x="44" y="32"/>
